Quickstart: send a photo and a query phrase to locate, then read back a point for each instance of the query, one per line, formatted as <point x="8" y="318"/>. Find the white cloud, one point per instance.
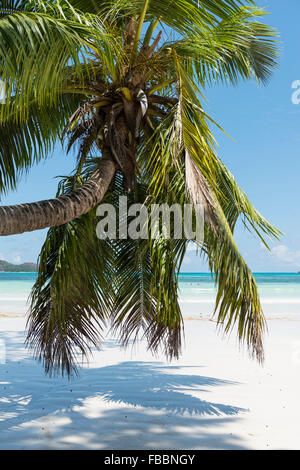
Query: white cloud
<point x="285" y="254"/>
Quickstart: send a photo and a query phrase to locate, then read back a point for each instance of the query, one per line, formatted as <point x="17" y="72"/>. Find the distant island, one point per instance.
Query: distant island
<point x="6" y="267"/>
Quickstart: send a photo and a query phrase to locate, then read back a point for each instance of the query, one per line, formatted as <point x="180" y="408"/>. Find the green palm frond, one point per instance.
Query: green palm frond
<point x="72" y="297"/>
<point x="49" y="41"/>
<point x="146" y="285"/>
<point x="209" y="183"/>
<point x="235" y="204"/>
<point x="236" y="48"/>
<point x="7" y="7"/>
<point x="25" y="142"/>
<point x="237" y="297"/>
<point x="185" y="15"/>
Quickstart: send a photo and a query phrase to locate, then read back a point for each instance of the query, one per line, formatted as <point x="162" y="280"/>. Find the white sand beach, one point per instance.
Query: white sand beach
<point x="149" y="160"/>
<point x="214" y="397"/>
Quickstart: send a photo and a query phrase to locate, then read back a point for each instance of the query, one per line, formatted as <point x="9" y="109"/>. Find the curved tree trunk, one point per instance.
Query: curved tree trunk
<point x="37" y="215"/>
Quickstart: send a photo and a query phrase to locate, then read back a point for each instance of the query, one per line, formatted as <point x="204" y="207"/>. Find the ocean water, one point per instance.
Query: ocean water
<point x="280" y="293"/>
<point x="14" y="292"/>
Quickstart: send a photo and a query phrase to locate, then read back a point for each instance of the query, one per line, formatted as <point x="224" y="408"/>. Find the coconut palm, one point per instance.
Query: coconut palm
<point x="122" y="83"/>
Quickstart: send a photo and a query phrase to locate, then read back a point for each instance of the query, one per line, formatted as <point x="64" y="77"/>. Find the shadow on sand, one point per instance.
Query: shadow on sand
<point x="128" y="405"/>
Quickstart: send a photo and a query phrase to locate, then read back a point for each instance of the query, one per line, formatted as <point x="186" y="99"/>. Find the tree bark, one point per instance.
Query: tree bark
<point x="38" y="215"/>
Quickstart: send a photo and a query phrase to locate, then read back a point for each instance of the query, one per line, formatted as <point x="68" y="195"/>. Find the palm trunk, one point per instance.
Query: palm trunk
<point x="38" y="215"/>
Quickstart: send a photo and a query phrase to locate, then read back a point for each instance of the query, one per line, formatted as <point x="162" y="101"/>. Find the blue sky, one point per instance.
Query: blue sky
<point x="264" y="157"/>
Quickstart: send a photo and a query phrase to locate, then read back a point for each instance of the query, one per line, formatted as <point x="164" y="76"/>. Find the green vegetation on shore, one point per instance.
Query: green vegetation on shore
<point x="17" y="268"/>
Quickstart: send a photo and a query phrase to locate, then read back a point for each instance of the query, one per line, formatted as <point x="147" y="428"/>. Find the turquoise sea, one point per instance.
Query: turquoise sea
<point x="280" y="293"/>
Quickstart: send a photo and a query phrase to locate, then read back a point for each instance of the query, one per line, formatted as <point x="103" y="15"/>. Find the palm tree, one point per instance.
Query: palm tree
<point x="123" y="82"/>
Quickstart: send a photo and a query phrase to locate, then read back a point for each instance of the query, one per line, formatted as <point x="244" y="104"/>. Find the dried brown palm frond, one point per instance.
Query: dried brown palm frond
<point x="199" y="191"/>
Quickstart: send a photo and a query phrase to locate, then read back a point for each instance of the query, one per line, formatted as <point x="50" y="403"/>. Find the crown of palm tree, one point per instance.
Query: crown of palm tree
<point x="123" y="81"/>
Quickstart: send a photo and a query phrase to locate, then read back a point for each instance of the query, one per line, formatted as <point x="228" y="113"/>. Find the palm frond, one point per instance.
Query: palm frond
<point x="208" y="184"/>
<point x="146" y="285"/>
<point x="235" y="204"/>
<point x="185" y="15"/>
<point x="25" y="142"/>
<point x="237" y="303"/>
<point x="236" y="48"/>
<point x="72" y="296"/>
<point x="38" y="47"/>
<point x="7" y="7"/>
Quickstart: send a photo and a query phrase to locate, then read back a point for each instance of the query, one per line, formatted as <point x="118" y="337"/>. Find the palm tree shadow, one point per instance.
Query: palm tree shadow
<point x="154" y="385"/>
<point x="146" y="391"/>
